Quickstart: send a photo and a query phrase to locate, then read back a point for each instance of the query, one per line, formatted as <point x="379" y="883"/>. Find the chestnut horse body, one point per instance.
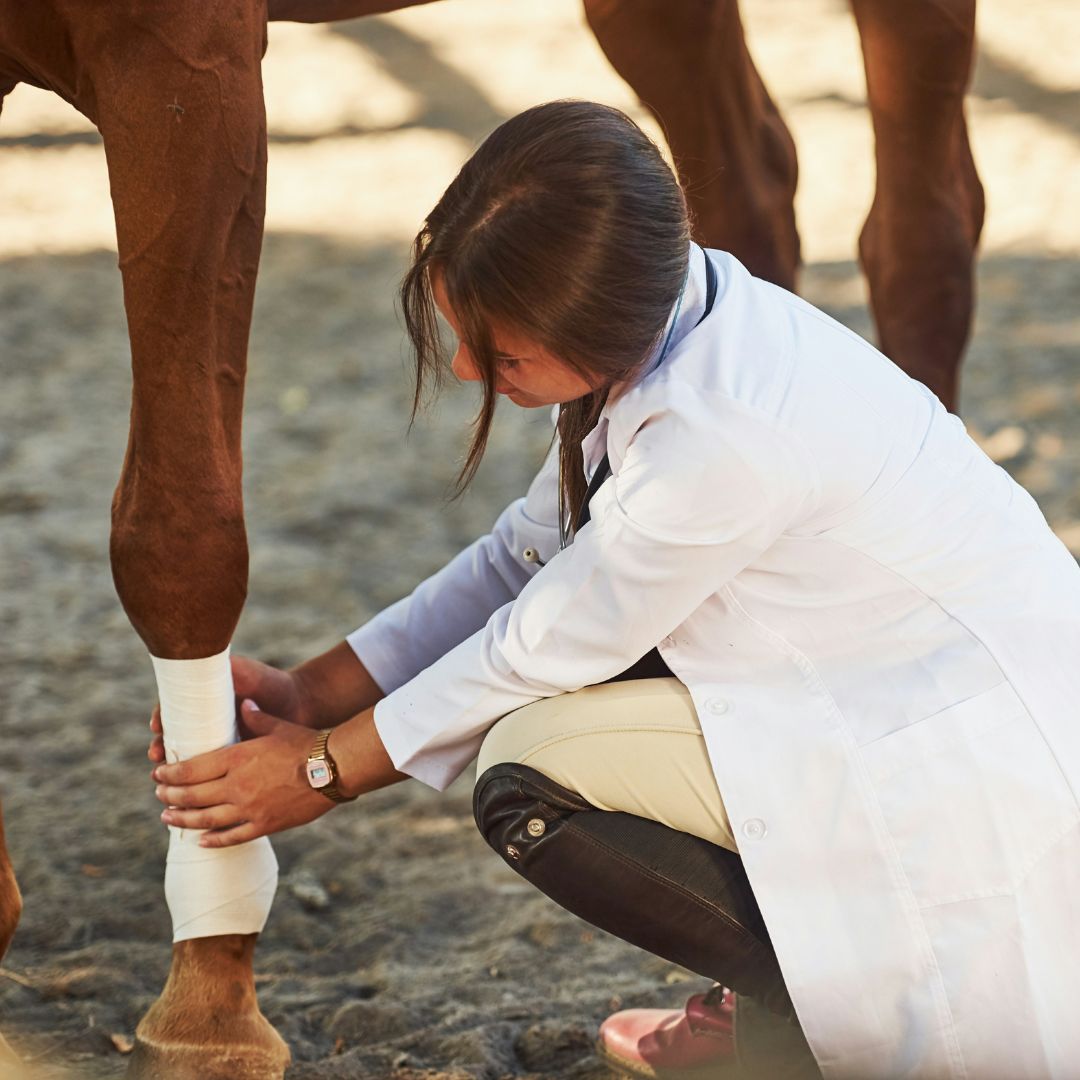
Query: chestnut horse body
<point x="175" y="89"/>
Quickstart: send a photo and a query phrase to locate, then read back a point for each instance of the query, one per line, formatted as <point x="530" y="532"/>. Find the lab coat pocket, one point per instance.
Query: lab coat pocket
<point x="971" y="796"/>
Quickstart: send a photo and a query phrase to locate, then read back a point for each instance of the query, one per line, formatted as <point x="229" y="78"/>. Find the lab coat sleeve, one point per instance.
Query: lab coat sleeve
<point x="457" y="600"/>
<point x="694" y="500"/>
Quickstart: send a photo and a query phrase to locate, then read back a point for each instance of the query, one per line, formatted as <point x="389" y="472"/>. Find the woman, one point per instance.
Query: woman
<point x="868" y="631"/>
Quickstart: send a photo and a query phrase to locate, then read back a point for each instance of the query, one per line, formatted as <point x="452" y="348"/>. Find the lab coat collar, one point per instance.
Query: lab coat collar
<point x="685" y="316"/>
<point x="594" y="446"/>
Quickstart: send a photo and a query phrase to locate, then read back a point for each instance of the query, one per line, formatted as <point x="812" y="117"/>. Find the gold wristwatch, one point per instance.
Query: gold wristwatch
<point x="322" y="770"/>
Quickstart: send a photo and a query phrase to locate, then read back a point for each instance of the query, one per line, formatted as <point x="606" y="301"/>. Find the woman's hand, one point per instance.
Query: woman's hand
<point x="283" y="694"/>
<point x="252" y="788"/>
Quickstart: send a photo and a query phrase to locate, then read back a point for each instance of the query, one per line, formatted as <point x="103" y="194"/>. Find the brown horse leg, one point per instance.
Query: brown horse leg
<point x="918" y="244"/>
<point x="178" y="100"/>
<point x="10" y="897"/>
<point x="688" y="62"/>
<point x="10" y="909"/>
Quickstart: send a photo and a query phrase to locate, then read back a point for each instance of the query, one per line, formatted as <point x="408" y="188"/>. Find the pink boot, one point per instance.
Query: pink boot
<point x="693" y="1043"/>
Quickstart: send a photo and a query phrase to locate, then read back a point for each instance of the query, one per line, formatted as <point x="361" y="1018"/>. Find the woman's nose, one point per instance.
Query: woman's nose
<point x="463" y="366"/>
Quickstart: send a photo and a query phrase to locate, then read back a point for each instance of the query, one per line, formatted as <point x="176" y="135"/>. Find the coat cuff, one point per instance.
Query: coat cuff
<point x="438" y="768"/>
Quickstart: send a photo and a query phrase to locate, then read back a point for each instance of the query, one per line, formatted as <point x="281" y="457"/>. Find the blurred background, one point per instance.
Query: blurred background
<point x="399" y="945"/>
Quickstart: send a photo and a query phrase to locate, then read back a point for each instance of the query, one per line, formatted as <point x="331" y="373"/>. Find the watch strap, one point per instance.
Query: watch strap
<point x="321" y="752"/>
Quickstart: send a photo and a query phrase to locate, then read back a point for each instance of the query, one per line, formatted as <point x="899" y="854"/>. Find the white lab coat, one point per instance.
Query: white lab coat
<point x="881" y="636"/>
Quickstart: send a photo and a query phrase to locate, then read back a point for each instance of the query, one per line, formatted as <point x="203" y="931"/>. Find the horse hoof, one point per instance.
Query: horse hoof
<point x="259" y="1053"/>
<point x="207" y="1025"/>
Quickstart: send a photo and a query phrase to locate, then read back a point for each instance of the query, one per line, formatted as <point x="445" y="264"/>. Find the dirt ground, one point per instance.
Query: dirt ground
<point x="399" y="946"/>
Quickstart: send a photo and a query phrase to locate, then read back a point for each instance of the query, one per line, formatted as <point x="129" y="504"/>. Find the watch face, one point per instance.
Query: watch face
<point x="318" y="773"/>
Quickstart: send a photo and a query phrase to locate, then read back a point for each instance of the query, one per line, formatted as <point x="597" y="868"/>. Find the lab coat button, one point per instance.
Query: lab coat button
<point x="754" y="828"/>
<point x="718" y="705"/>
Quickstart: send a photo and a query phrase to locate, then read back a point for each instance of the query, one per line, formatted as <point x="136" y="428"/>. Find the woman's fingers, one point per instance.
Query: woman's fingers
<point x="197" y="770"/>
<point x="211" y="817"/>
<point x="156" y="750"/>
<point x="227" y="837"/>
<point x="246" y="790"/>
<point x="272" y="688"/>
<point x="254" y="721"/>
<point x="192" y="795"/>
<point x="249" y="676"/>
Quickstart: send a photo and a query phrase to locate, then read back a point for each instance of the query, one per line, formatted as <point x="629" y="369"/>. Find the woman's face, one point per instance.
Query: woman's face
<point x="527" y="374"/>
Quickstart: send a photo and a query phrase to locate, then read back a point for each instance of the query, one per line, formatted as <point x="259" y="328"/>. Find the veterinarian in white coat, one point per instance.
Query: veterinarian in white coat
<point x="881" y="638"/>
<point x="874" y="637"/>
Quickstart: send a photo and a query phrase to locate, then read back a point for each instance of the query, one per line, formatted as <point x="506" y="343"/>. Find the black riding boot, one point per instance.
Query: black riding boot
<point x="668" y="892"/>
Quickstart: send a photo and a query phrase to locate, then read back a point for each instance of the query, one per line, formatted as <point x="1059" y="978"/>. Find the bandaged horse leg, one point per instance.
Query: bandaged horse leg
<point x="918" y="244"/>
<point x="180" y="111"/>
<point x="689" y="64"/>
<point x="210" y="891"/>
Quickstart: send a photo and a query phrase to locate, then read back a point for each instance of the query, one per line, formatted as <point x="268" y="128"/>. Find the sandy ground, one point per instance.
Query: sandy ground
<point x="398" y="943"/>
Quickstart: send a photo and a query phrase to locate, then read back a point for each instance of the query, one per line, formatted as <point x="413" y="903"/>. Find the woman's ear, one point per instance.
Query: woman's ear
<point x="463" y="365"/>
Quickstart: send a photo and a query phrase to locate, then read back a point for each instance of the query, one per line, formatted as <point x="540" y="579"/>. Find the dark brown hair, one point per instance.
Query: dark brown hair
<point x="566" y="226"/>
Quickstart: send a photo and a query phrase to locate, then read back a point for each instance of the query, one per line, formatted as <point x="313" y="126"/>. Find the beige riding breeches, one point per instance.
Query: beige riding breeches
<point x="630" y="746"/>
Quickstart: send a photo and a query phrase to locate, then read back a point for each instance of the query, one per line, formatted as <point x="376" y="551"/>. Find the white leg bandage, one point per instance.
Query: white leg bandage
<point x="210" y="891"/>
